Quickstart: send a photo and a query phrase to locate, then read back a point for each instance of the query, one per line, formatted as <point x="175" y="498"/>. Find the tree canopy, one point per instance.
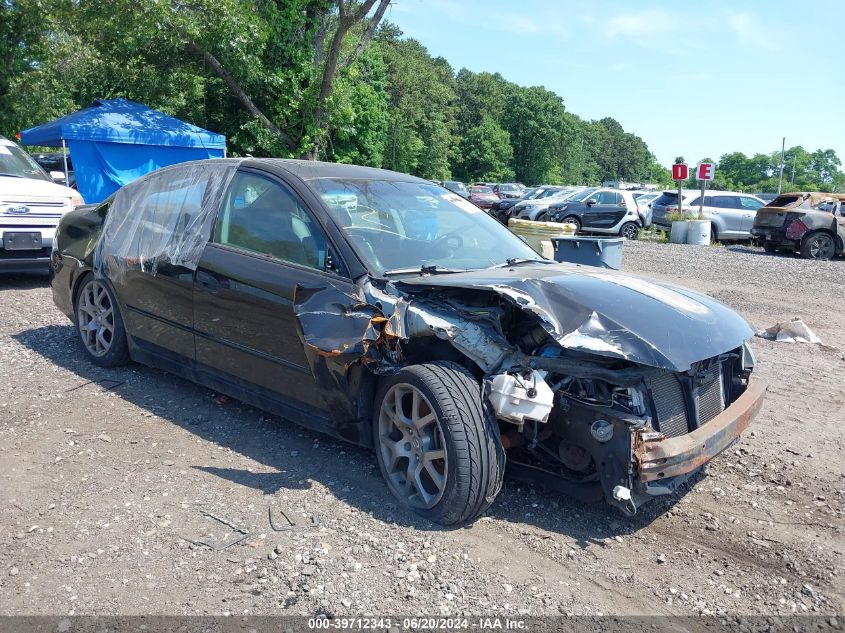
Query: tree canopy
<point x="329" y="79"/>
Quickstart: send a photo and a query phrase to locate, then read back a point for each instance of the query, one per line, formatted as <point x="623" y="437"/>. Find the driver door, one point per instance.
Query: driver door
<point x="606" y="213"/>
<point x="265" y="242"/>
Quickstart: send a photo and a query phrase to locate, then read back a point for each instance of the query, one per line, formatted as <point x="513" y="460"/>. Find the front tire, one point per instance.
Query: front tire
<point x="437" y="443"/>
<point x="818" y="245"/>
<point x="99" y="323"/>
<point x="571" y="219"/>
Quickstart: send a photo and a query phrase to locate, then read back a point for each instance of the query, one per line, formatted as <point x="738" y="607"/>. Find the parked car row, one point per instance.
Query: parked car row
<point x="500" y="191"/>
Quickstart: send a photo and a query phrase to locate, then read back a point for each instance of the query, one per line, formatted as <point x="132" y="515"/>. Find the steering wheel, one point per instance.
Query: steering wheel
<point x="452" y="241"/>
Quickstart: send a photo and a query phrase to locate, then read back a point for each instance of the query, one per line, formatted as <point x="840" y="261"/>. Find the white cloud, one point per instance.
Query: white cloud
<point x="748" y="30"/>
<point x="639" y="25"/>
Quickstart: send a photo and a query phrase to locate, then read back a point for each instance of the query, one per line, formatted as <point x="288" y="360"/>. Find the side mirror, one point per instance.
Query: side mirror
<point x="57" y="176"/>
<point x="591" y="202"/>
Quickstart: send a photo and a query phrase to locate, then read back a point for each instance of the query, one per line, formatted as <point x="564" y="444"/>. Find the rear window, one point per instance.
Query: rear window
<point x="667" y="198"/>
<point x="790" y="201"/>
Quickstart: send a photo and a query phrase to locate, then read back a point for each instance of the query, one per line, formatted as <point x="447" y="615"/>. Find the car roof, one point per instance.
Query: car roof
<point x="312" y="169"/>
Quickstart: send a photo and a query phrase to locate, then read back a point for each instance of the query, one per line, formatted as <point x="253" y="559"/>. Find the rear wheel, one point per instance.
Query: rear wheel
<point x="99" y="324"/>
<point x="543" y="217"/>
<point x="437" y="443"/>
<point x="630" y="230"/>
<point x="818" y="246"/>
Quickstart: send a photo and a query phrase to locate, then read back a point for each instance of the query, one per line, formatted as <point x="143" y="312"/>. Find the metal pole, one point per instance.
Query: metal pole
<point x="792" y="180"/>
<point x="701" y="201"/>
<point x="680" y="195"/>
<point x="780" y="177"/>
<point x="64" y="156"/>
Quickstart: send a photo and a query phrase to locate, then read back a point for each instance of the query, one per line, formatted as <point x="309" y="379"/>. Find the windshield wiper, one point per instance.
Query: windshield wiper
<point x="425" y="269"/>
<point x="516" y="261"/>
<point x="11" y="175"/>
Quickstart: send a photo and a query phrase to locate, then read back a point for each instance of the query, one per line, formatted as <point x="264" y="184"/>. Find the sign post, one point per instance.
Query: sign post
<point x="703" y="173"/>
<point x="680" y="172"/>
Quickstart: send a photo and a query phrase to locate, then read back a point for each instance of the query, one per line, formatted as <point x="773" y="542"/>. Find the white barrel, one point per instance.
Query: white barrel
<point x="678" y="234"/>
<point x="698" y="232"/>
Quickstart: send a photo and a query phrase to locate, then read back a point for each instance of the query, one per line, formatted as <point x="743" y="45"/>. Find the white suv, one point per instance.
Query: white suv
<point x="31" y="205"/>
<point x="731" y="214"/>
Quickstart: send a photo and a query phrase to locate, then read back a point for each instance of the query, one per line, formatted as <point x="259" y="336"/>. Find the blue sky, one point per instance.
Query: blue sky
<point x="691" y="78"/>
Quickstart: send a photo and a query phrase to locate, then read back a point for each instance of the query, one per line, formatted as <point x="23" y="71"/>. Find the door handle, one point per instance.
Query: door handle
<point x="209" y="283"/>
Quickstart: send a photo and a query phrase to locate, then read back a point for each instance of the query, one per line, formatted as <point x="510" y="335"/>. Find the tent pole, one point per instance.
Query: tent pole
<point x="64" y="156"/>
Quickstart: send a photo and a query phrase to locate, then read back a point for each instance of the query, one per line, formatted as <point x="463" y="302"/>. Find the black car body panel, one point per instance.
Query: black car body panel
<point x="312" y="342"/>
<point x="611" y="314"/>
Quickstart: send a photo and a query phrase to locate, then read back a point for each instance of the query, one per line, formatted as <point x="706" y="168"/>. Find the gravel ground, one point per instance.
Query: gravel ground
<point x="106" y="476"/>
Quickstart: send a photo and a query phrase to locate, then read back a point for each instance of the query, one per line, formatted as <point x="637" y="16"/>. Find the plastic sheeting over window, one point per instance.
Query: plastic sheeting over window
<point x="165" y="218"/>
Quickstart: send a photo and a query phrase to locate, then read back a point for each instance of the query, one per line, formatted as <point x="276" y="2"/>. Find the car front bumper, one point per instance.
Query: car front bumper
<point x="666" y="458"/>
<point x="25" y="261"/>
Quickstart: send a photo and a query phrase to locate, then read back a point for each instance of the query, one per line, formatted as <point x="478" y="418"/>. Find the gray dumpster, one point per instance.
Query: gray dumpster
<point x="604" y="252"/>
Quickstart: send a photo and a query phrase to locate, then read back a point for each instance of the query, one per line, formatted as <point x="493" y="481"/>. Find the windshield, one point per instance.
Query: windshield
<point x="481" y="190"/>
<point x="457" y="187"/>
<point x="582" y="195"/>
<point x="17" y="163"/>
<point x="508" y="188"/>
<point x="398" y="225"/>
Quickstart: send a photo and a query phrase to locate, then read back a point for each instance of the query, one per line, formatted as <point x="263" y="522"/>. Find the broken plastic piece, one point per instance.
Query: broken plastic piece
<point x="794" y="331"/>
<point x="517" y="399"/>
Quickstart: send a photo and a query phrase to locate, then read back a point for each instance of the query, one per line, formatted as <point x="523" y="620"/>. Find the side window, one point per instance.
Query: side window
<point x="725" y="202"/>
<point x="265" y="217"/>
<point x="750" y="203"/>
<point x="605" y="197"/>
<point x="697" y="202"/>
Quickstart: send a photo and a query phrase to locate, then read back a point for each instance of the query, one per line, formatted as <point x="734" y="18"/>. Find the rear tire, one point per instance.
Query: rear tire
<point x="630" y="230"/>
<point x="818" y="245"/>
<point x="437" y="442"/>
<point x="99" y="323"/>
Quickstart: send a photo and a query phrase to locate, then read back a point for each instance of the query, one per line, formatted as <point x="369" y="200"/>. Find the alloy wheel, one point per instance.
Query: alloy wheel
<point x="821" y="247"/>
<point x="95" y="318"/>
<point x="412" y="447"/>
<point x="630" y="231"/>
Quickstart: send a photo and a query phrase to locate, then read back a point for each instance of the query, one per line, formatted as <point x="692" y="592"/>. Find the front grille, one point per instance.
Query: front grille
<point x="670" y="405"/>
<point x="711" y="394"/>
<point x="29" y="202"/>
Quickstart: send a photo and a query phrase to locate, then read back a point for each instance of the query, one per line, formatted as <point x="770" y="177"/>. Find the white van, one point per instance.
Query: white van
<point x="31" y="205"/>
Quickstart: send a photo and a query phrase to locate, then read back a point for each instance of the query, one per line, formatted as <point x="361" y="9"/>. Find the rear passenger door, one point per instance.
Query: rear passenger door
<point x="732" y="223"/>
<point x="265" y="242"/>
<point x="155" y="293"/>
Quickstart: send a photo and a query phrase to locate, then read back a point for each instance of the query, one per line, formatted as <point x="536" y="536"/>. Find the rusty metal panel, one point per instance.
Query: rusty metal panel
<point x="681" y="455"/>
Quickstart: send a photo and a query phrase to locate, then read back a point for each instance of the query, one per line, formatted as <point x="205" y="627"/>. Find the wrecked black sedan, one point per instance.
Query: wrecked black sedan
<point x="387" y="311"/>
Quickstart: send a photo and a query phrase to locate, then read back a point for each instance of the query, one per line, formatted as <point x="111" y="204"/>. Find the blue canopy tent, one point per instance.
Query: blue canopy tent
<point x="116" y="140"/>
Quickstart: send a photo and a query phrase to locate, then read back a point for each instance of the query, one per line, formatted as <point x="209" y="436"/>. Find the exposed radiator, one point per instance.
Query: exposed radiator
<point x="711" y="395"/>
<point x="667" y="392"/>
<point x="668" y="396"/>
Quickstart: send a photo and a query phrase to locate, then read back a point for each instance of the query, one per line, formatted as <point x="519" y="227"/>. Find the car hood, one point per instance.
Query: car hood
<point x="608" y="313"/>
<point x="34" y="187"/>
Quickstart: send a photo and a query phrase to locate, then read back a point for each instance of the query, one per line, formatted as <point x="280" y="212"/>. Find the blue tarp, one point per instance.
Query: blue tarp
<point x="117" y="140"/>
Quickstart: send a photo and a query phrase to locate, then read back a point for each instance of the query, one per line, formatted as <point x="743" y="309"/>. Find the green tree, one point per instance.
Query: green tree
<point x="486" y="153"/>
